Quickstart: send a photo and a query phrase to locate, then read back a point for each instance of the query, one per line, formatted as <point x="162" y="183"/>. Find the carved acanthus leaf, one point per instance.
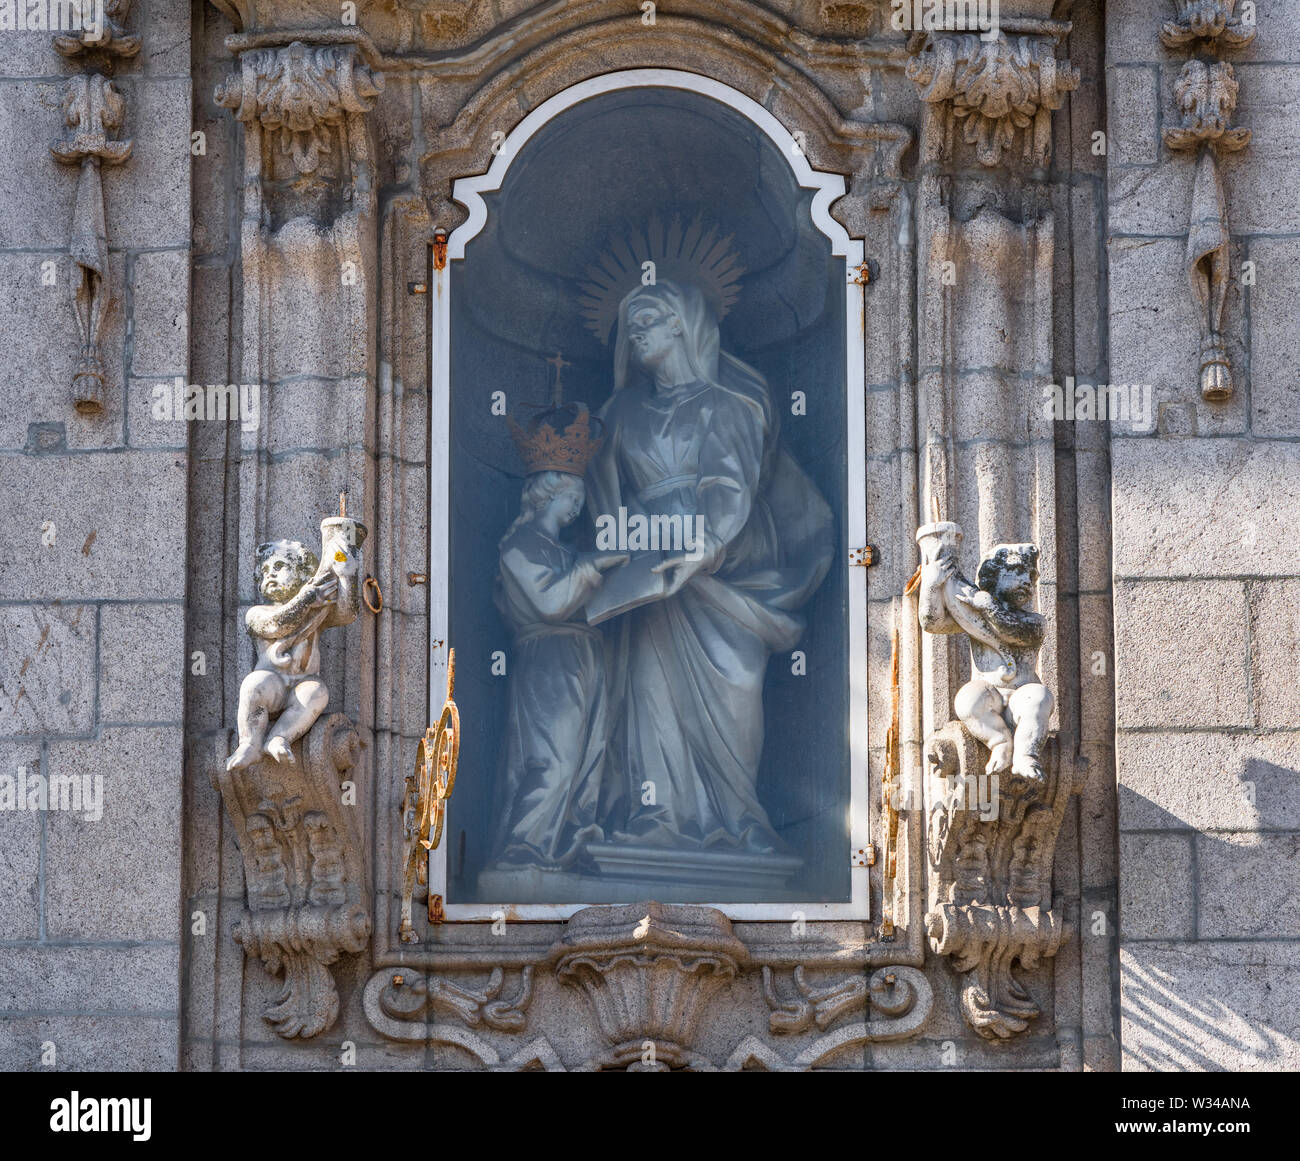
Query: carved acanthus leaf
<point x="93" y="111"/>
<point x="1213" y="21"/>
<point x="1207" y="98"/>
<point x="301" y="92"/>
<point x="996" y="88"/>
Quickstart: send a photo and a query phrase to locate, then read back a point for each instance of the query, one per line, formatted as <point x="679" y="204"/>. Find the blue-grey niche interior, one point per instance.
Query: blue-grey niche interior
<point x="597" y="171"/>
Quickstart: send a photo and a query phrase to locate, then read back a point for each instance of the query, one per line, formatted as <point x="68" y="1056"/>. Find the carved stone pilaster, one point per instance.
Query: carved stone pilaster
<point x="994" y="89"/>
<point x="648" y="971"/>
<point x="304" y="868"/>
<point x="992" y="840"/>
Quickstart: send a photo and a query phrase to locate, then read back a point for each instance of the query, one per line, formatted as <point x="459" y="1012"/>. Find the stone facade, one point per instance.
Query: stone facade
<point x="258" y="193"/>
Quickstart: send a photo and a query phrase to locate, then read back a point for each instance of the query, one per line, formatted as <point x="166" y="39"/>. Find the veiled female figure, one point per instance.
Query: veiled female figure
<point x="691" y="431"/>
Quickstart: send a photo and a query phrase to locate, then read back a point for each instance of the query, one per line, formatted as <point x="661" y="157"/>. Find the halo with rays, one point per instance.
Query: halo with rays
<point x="694" y="254"/>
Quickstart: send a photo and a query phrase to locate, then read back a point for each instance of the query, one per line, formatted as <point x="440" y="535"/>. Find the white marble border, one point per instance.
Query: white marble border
<point x="468" y="191"/>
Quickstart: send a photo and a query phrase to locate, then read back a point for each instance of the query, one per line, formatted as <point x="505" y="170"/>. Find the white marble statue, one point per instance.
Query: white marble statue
<point x="1004" y="705"/>
<point x="553" y="758"/>
<point x="303" y="597"/>
<point x="691" y="431"/>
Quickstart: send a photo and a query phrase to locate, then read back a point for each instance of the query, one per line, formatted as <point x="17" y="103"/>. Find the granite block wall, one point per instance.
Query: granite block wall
<point x="93" y="580"/>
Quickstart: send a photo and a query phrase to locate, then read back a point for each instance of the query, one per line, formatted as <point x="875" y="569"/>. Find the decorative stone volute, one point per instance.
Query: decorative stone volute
<point x="648" y="970"/>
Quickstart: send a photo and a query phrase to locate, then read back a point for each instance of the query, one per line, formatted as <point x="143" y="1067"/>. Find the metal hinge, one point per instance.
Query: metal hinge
<point x="864" y="856"/>
<point x="863" y="557"/>
<point x="439" y="249"/>
<point x="861" y="275"/>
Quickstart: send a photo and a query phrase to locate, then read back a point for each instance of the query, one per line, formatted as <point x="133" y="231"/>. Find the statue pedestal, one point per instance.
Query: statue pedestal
<point x="626" y="871"/>
<point x="722" y="871"/>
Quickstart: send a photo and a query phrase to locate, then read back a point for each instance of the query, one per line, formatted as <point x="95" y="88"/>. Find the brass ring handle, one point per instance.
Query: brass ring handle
<point x="379" y="596"/>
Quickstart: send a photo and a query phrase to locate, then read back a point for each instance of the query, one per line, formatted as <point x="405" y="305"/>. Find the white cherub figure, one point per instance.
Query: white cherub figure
<point x="303" y="597"/>
<point x="1005" y="705"/>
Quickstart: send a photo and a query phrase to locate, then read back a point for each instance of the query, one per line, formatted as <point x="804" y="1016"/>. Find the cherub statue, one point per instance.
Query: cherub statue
<point x="1004" y="705"/>
<point x="303" y="597"/>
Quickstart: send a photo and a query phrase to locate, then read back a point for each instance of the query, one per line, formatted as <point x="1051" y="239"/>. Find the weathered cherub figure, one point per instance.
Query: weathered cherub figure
<point x="1005" y="705"/>
<point x="303" y="597"/>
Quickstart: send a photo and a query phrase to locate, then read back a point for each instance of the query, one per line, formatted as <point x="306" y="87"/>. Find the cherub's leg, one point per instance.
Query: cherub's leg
<point x="306" y="701"/>
<point x="261" y="694"/>
<point x="979" y="706"/>
<point x="1031" y="709"/>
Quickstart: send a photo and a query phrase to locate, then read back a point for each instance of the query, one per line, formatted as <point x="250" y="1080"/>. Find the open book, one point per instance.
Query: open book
<point x="627" y="586"/>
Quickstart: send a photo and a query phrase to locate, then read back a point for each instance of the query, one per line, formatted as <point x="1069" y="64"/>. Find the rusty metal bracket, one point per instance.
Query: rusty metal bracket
<point x="439" y="249"/>
<point x="863" y="557"/>
<point x="860" y="275"/>
<point x="417" y="288"/>
<point x="864" y="856"/>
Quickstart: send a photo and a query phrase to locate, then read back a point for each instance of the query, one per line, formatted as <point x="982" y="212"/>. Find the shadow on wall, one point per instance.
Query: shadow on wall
<point x="1207" y="983"/>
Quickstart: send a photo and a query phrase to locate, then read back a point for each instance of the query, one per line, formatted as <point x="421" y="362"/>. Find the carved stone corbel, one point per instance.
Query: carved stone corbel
<point x="648" y="971"/>
<point x="991" y="854"/>
<point x="994" y="88"/>
<point x="301" y="95"/>
<point x="304" y="868"/>
<point x="1206" y="93"/>
<point x="302" y="105"/>
<point x="93" y="113"/>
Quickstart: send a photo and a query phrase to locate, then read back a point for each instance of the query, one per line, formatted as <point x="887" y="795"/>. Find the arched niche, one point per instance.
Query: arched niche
<point x="571" y="190"/>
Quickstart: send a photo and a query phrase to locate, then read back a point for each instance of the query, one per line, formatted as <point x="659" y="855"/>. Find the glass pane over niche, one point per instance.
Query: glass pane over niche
<point x="647" y="581"/>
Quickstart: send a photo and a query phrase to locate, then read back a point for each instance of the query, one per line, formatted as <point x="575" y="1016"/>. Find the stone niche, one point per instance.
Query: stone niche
<point x="418" y="230"/>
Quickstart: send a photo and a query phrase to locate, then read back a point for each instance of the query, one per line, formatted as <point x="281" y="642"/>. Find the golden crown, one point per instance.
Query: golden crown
<point x="691" y="254"/>
<point x="558" y="439"/>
